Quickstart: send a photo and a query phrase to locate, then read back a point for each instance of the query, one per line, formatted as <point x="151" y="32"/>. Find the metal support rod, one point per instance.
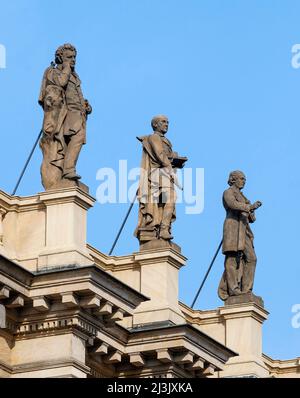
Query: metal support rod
<point x="122" y="226"/>
<point x="27" y="162"/>
<point x="207" y="273"/>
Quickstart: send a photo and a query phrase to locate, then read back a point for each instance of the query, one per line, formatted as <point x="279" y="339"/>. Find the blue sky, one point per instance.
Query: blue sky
<point x="221" y="70"/>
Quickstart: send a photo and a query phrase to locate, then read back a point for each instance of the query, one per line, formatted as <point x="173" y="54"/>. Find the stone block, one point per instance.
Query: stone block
<point x="245" y="298"/>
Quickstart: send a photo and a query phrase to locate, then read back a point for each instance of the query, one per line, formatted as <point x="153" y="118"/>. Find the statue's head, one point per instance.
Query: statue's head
<point x="237" y="178"/>
<point x="66" y="53"/>
<point x="160" y="123"/>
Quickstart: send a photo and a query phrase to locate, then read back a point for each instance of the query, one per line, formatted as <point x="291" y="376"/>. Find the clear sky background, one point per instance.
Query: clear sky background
<point x="221" y="70"/>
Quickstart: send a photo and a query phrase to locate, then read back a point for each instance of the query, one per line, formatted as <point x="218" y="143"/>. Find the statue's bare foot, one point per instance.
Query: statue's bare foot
<point x="72" y="176"/>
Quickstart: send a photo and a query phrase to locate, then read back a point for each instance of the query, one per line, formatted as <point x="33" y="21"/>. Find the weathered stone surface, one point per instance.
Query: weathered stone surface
<point x="4" y="292"/>
<point x="2" y="317"/>
<point x="156" y="193"/>
<point x="240" y="261"/>
<point x="159" y="281"/>
<point x="158" y="244"/>
<point x="47" y="229"/>
<point x="69" y="299"/>
<point x="136" y="359"/>
<point x="90" y="302"/>
<point x="114" y="357"/>
<point x="2" y="214"/>
<point x="16" y="302"/>
<point x="102" y="349"/>
<point x="245" y="298"/>
<point x="41" y="304"/>
<point x="164" y="355"/>
<point x="243" y="331"/>
<point x="65" y="183"/>
<point x="65" y="115"/>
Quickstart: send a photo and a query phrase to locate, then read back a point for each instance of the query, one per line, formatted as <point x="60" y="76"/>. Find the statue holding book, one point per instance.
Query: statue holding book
<point x="156" y="193"/>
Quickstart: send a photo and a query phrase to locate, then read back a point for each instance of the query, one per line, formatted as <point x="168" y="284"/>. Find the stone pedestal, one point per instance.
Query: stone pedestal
<point x="159" y="244"/>
<point x="65" y="229"/>
<point x="243" y="334"/>
<point x="159" y="281"/>
<point x="245" y="298"/>
<point x="47" y="229"/>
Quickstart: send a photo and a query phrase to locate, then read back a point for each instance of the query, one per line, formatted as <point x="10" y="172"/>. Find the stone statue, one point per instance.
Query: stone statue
<point x="156" y="193"/>
<point x="64" y="125"/>
<point x="240" y="258"/>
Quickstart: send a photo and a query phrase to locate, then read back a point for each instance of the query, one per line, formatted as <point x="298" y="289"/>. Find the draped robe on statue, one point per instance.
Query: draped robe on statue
<point x="154" y="181"/>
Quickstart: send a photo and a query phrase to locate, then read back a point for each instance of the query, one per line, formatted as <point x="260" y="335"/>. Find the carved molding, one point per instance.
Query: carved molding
<point x="74" y="322"/>
<point x="50" y="364"/>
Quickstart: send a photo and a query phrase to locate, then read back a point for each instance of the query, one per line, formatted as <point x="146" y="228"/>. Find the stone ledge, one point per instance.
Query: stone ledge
<point x="155" y="244"/>
<point x="245" y="298"/>
<point x="154" y="256"/>
<point x="244" y="310"/>
<point x="50" y="364"/>
<point x="67" y="195"/>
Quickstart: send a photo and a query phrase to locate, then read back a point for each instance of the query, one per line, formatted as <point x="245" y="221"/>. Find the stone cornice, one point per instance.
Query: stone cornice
<point x="31" y="283"/>
<point x="39" y="201"/>
<point x="201" y="317"/>
<point x="4" y="366"/>
<point x="66" y="195"/>
<point x="50" y="364"/>
<point x="15" y="272"/>
<point x="20" y="203"/>
<point x="91" y="274"/>
<point x="152" y="257"/>
<point x="227" y="312"/>
<point x="187" y="332"/>
<point x="244" y="310"/>
<point x="137" y="259"/>
<point x="277" y="366"/>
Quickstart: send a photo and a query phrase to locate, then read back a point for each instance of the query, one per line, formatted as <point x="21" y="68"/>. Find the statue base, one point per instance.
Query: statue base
<point x="158" y="280"/>
<point x="65" y="183"/>
<point x="47" y="230"/>
<point x="159" y="244"/>
<point x="245" y="298"/>
<point x="242" y="325"/>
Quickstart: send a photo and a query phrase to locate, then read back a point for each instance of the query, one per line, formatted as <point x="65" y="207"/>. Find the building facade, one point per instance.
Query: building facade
<point x="69" y="310"/>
